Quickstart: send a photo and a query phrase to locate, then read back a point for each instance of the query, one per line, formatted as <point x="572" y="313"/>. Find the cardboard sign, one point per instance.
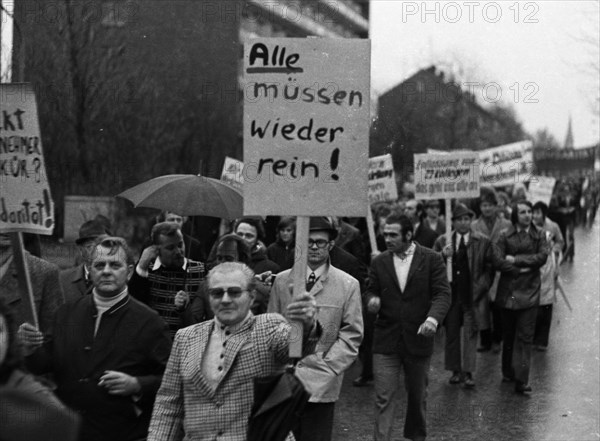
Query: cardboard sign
<point x="507" y="164"/>
<point x="232" y="172"/>
<point x="382" y="182"/>
<point x="447" y="176"/>
<point x="306" y="126"/>
<point x="25" y="201"/>
<point x="540" y="189"/>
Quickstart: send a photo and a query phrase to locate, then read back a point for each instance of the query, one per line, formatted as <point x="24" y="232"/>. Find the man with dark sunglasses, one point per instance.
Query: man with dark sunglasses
<point x="339" y="303"/>
<point x="207" y="391"/>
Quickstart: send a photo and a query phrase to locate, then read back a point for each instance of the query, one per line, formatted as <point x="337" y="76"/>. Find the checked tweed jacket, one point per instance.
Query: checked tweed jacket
<point x="187" y="408"/>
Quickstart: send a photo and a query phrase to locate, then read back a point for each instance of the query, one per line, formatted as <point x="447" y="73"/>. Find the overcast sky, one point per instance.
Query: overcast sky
<point x="531" y="49"/>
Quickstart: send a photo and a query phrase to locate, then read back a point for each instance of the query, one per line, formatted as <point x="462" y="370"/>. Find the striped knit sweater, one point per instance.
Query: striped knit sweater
<point x="159" y="288"/>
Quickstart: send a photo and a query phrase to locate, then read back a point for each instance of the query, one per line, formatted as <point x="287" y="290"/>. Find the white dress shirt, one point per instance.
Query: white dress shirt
<point x="402" y="265"/>
<point x="458" y="236"/>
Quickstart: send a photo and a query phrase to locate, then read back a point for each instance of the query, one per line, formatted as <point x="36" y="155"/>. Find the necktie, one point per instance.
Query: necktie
<point x="461" y="245"/>
<point x="311" y="281"/>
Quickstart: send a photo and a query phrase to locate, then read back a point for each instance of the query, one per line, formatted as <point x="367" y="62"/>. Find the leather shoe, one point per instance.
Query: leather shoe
<point x="483" y="348"/>
<point x="469" y="383"/>
<point x="506" y="379"/>
<point x="522" y="388"/>
<point x="456" y="378"/>
<point x="362" y="381"/>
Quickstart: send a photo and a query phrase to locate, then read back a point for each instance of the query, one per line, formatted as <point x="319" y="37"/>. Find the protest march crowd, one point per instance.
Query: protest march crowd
<point x="171" y="345"/>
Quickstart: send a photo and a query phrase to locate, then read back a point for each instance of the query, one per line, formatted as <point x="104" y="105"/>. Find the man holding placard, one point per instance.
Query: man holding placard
<point x="409" y="291"/>
<point x="473" y="256"/>
<point x="340" y="313"/>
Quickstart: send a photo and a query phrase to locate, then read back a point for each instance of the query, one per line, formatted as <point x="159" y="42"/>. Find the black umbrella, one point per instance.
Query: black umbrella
<point x="278" y="404"/>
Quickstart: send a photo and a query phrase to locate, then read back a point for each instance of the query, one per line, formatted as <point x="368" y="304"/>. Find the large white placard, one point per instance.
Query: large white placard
<point x="306" y="126"/>
<point x="447" y="176"/>
<point x="382" y="181"/>
<point x="25" y="201"/>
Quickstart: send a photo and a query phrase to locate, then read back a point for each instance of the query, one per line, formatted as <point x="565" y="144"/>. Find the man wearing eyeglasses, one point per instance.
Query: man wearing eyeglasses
<point x="339" y="311"/>
<point x="207" y="391"/>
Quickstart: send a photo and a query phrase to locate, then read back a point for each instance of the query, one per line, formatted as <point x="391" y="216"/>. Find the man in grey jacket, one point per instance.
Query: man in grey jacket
<point x="339" y="312"/>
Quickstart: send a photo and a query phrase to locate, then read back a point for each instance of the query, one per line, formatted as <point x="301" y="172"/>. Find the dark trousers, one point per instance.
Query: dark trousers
<point x="387" y="369"/>
<point x="542" y="325"/>
<point x="494" y="335"/>
<point x="518" y="326"/>
<point x="316" y="423"/>
<point x="365" y="352"/>
<point x="460" y="348"/>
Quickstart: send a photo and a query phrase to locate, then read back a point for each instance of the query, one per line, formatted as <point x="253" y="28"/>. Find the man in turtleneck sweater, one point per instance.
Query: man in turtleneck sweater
<point x="108" y="351"/>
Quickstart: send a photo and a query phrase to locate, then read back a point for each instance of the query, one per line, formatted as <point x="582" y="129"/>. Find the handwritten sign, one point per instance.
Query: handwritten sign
<point x="447" y="176"/>
<point x="25" y="201"/>
<point x="382" y="182"/>
<point x="232" y="172"/>
<point x="540" y="189"/>
<point x="507" y="164"/>
<point x="306" y="126"/>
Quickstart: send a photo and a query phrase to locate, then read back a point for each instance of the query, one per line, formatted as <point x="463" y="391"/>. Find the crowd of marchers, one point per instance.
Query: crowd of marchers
<point x="168" y="345"/>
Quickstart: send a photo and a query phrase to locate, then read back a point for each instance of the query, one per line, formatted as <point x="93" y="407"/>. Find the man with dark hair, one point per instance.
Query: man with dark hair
<point x="282" y="250"/>
<point x="339" y="302"/>
<point x="251" y="229"/>
<point x="164" y="278"/>
<point x="193" y="247"/>
<point x="207" y="390"/>
<point x="422" y="234"/>
<point x="409" y="291"/>
<point x="107" y="351"/>
<point x="490" y="224"/>
<point x="524" y="250"/>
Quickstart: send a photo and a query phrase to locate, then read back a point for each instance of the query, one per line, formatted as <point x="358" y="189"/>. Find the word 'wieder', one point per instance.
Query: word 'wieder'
<point x="291" y="132"/>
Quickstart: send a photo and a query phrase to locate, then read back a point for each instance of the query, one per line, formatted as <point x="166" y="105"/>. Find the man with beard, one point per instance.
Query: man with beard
<point x="408" y="290"/>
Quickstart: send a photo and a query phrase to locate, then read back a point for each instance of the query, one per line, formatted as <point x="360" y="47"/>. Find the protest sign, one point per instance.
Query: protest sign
<point x="306" y="135"/>
<point x="382" y="182"/>
<point x="447" y="176"/>
<point x="540" y="189"/>
<point x="306" y="126"/>
<point x="507" y="164"/>
<point x="232" y="172"/>
<point x="25" y="201"/>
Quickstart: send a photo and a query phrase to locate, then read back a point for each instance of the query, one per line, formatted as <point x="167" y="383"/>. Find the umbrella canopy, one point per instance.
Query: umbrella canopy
<point x="278" y="404"/>
<point x="188" y="195"/>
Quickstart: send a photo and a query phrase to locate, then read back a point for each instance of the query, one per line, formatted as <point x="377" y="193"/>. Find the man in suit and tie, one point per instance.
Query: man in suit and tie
<point x="76" y="281"/>
<point x="408" y="289"/>
<point x="340" y="313"/>
<point x="473" y="259"/>
<point x="207" y="390"/>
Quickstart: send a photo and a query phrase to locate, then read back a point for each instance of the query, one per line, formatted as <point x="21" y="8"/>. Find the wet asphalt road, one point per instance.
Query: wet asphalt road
<point x="564" y="404"/>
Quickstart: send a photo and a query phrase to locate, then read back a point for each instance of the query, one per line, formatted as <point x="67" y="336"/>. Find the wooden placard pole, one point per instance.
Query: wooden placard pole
<point x="24" y="279"/>
<point x="449" y="236"/>
<point x="299" y="271"/>
<point x="371" y="228"/>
